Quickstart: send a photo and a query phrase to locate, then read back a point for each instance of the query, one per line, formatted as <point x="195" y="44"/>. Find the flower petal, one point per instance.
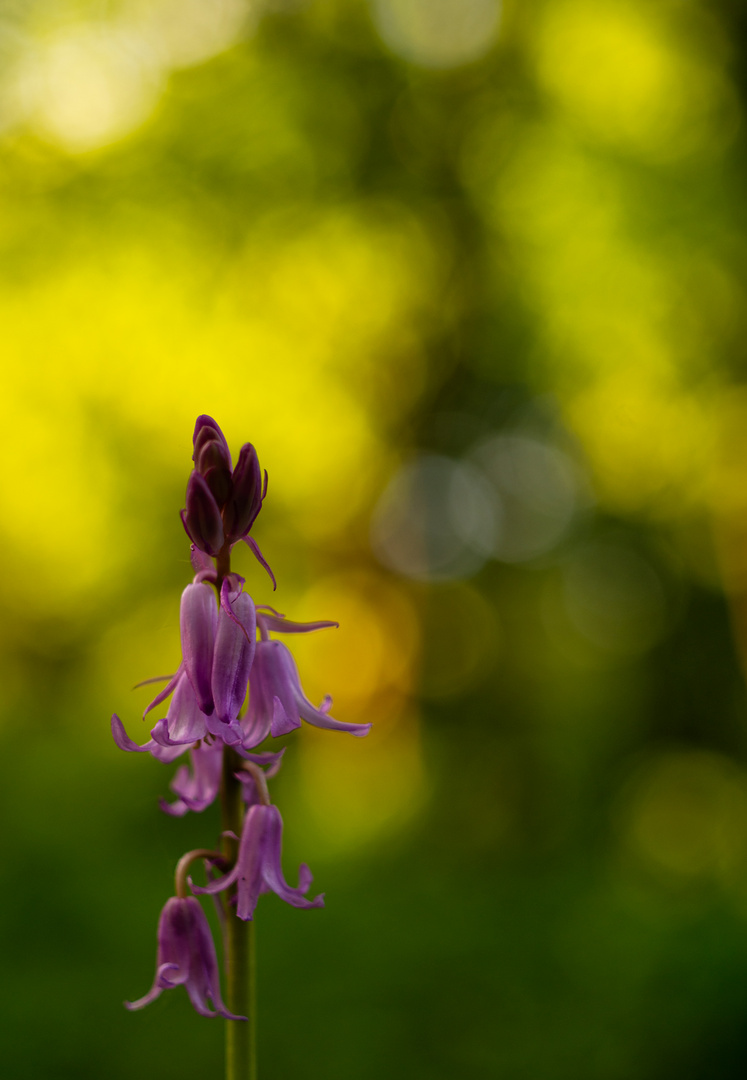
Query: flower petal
<point x="280" y="625"/>
<point x="198" y="618"/>
<point x="201" y="518"/>
<point x="235" y="642"/>
<point x="245" y="501"/>
<point x="167" y="690"/>
<point x="321" y="719"/>
<point x="272" y="870"/>
<point x="252" y="543"/>
<point x="123" y="740"/>
<point x="252" y="853"/>
<point x="281" y="722"/>
<point x="185" y="719"/>
<point x="201" y="561"/>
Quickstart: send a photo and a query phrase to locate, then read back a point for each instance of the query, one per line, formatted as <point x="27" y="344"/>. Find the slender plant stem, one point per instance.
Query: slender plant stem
<point x="241" y="1042"/>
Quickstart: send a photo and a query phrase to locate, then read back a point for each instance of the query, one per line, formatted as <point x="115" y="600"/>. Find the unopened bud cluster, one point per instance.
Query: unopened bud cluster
<point x="222" y="502"/>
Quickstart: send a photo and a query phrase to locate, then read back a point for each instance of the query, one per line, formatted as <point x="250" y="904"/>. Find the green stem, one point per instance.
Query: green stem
<point x="241" y="1042"/>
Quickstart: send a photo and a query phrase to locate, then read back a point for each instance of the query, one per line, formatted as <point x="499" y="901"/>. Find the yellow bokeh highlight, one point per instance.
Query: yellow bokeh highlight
<point x="144" y="644"/>
<point x="683" y="813"/>
<point x="356" y="789"/>
<point x="289" y="344"/>
<point x="623" y="345"/>
<point x="370" y="663"/>
<point x="650" y="443"/>
<point x="617" y="69"/>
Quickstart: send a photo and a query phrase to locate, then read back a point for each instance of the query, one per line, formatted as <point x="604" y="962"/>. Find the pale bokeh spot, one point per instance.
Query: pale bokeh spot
<point x="617" y="70"/>
<point x="356" y="791"/>
<point x="438" y="33"/>
<point x="86" y="86"/>
<point x="683" y="813"/>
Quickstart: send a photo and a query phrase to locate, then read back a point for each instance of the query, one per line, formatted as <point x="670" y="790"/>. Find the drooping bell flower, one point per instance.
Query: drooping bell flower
<point x="186" y="957"/>
<point x="210" y="684"/>
<point x="276" y="700"/>
<point x="196" y="788"/>
<point x="258" y="867"/>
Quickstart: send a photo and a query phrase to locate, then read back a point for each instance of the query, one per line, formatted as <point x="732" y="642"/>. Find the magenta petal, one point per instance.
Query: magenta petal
<point x="198" y="788"/>
<point x="272" y="699"/>
<point x="251" y="859"/>
<point x="198" y="619"/>
<point x="235" y="642"/>
<point x="185" y="719"/>
<point x="167" y="690"/>
<point x="123" y="740"/>
<point x="319" y="718"/>
<point x="272" y="871"/>
<point x="230" y="734"/>
<point x="218" y="885"/>
<point x="174" y="809"/>
<point x="252" y="543"/>
<point x="186" y="956"/>
<point x="272" y="759"/>
<point x="280" y="625"/>
<point x="167" y="754"/>
<point x="160" y="735"/>
<point x="282" y="723"/>
<point x="201" y="562"/>
<point x="255" y="728"/>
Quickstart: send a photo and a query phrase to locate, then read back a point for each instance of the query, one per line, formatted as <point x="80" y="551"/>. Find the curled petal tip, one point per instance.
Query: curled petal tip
<point x="123" y="740"/>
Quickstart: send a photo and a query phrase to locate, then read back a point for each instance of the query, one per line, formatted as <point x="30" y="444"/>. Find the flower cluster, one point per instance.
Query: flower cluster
<point x="226" y="650"/>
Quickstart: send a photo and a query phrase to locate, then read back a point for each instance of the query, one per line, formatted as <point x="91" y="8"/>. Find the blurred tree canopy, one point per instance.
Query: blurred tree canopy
<point x="470" y="276"/>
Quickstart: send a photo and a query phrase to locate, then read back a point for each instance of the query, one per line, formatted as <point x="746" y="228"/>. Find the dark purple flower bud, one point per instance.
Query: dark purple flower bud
<point x="198" y="619"/>
<point x="258" y="867"/>
<point x="206" y="430"/>
<point x="201" y="519"/>
<point x="186" y="957"/>
<point x="214" y="463"/>
<point x="245" y="501"/>
<point x="235" y="642"/>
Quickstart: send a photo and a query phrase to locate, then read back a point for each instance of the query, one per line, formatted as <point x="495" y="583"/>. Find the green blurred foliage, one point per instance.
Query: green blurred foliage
<point x="499" y="245"/>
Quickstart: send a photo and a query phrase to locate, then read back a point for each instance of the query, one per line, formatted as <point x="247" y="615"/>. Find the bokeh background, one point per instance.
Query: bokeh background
<point x="470" y="275"/>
